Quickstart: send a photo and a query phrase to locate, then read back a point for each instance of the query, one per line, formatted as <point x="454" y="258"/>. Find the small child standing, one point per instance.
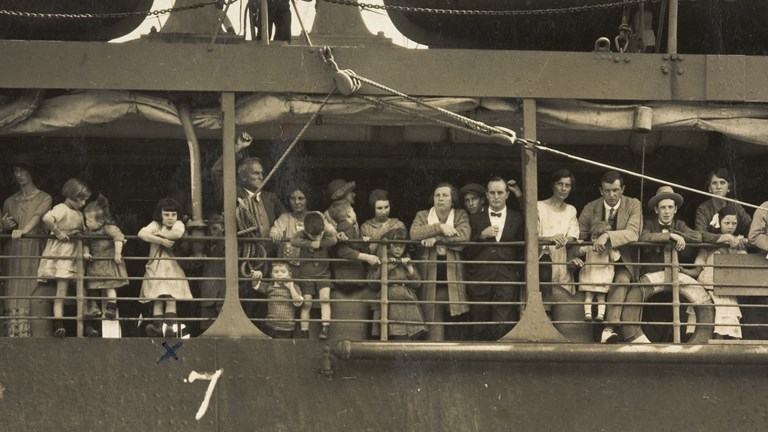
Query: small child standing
<point x="161" y="234"/>
<point x="406" y="320"/>
<point x="105" y="264"/>
<point x="280" y="311"/>
<point x="63" y="220"/>
<point x="315" y="240"/>
<point x="596" y="275"/>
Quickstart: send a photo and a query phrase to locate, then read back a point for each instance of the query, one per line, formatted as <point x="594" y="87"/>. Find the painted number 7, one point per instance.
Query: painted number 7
<point x="214" y="378"/>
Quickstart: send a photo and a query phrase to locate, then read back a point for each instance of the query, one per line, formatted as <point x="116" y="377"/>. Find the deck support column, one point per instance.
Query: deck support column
<point x="534" y="326"/>
<point x="232" y="321"/>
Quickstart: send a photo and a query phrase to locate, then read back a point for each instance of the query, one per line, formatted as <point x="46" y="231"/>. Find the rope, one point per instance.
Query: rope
<point x="642" y="176"/>
<point x="301" y="23"/>
<point x="481" y="129"/>
<point x="477" y="12"/>
<point x="297" y="138"/>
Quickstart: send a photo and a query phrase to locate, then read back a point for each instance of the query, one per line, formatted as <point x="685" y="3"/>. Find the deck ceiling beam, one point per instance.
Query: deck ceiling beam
<point x="249" y="67"/>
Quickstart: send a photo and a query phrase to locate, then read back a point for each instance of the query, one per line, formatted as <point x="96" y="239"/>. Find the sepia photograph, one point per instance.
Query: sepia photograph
<point x="383" y="215"/>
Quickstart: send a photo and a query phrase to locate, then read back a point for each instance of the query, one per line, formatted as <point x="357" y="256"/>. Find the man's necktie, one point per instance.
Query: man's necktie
<point x="612" y="215"/>
<point x="494" y="214"/>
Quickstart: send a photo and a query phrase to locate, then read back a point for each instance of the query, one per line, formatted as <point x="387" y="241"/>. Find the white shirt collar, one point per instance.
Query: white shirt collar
<point x="608" y="208"/>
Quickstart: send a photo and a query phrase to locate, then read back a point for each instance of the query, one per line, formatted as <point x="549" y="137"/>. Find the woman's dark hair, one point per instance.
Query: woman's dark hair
<point x="167" y="205"/>
<point x="560" y="174"/>
<point x="723" y="173"/>
<point x="454" y="193"/>
<point x="377" y="195"/>
<point x="728" y="210"/>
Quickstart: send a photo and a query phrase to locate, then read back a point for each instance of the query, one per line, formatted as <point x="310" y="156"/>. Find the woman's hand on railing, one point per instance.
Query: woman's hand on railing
<point x="448" y="230"/>
<point x="276" y="236"/>
<point x="16" y="234"/>
<point x="87" y="256"/>
<point x="576" y="263"/>
<point x="559" y="239"/>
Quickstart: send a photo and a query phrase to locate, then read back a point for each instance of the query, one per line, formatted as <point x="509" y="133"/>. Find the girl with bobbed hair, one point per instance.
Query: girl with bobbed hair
<point x="381" y="223"/>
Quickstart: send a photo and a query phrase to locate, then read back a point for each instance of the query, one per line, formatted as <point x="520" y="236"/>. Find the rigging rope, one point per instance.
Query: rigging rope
<point x="481" y="129"/>
<point x="301" y="23"/>
<point x="248" y="215"/>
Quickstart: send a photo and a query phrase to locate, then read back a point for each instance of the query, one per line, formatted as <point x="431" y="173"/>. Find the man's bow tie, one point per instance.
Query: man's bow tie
<point x="494" y="214"/>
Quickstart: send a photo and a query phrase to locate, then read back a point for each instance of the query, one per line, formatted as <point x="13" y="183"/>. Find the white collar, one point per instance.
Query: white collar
<point x="608" y="208"/>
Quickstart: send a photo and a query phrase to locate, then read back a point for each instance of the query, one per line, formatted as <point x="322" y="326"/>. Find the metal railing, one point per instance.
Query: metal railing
<point x="377" y="295"/>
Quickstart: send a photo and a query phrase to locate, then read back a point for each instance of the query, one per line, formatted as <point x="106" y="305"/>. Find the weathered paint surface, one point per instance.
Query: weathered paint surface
<point x="80" y="385"/>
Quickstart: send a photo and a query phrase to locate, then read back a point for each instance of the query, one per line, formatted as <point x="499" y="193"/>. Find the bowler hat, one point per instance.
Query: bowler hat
<point x="338" y="188"/>
<point x="665" y="192"/>
<point x="474" y="188"/>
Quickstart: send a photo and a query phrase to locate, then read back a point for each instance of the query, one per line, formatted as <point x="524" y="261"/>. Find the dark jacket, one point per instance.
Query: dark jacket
<point x="512" y="231"/>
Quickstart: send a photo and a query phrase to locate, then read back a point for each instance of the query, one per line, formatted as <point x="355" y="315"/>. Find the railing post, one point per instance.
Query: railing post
<point x="675" y="275"/>
<point x="79" y="285"/>
<point x="384" y="320"/>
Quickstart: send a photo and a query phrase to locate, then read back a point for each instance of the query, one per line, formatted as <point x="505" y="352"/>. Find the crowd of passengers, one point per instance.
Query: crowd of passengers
<point x="451" y="263"/>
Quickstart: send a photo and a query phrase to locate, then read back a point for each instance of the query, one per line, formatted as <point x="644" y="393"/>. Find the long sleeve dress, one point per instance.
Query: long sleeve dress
<point x="21" y="272"/>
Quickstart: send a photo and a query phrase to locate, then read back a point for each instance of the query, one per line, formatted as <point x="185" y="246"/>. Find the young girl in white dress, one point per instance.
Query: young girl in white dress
<point x="63" y="220"/>
<point x="596" y="273"/>
<point x="158" y="286"/>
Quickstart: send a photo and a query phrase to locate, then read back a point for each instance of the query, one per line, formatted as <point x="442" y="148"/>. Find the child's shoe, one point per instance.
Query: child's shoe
<point x="600" y="318"/>
<point x="170" y="324"/>
<point x="60" y="332"/>
<point x="155" y="328"/>
<point x="324" y="332"/>
<point x="91" y="332"/>
<point x="111" y="311"/>
<point x="94" y="311"/>
<point x="588" y="316"/>
<point x="304" y="334"/>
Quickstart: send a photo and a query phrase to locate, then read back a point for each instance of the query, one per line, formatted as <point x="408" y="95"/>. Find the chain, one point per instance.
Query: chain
<point x="156" y="12"/>
<point x="564" y="10"/>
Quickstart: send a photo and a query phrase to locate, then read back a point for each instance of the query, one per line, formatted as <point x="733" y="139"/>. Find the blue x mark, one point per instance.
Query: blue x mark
<point x="170" y="351"/>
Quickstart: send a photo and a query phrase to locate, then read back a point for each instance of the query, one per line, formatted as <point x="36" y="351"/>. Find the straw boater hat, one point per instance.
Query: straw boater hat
<point x="474" y="188"/>
<point x="338" y="188"/>
<point x="665" y="192"/>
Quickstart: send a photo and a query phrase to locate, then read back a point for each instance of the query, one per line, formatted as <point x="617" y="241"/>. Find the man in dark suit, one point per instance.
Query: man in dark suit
<point x="497" y="223"/>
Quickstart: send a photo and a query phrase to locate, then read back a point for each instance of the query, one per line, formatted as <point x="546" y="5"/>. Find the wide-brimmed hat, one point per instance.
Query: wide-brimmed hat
<point x="26" y="162"/>
<point x="665" y="192"/>
<point x="338" y="188"/>
<point x="474" y="188"/>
